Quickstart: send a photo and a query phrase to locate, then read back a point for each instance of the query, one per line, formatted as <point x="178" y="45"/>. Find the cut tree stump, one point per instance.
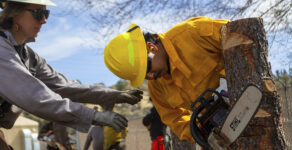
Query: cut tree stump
<point x="245" y="52"/>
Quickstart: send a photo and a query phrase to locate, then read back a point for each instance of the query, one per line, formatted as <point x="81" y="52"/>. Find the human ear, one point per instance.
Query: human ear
<point x="151" y="46"/>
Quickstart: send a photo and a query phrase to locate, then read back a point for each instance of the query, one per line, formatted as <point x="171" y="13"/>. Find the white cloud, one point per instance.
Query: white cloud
<point x="59" y="48"/>
<point x="59" y="39"/>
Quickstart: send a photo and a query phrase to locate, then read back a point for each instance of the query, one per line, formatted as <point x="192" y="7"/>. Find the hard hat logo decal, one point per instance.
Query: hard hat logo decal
<point x="130" y="49"/>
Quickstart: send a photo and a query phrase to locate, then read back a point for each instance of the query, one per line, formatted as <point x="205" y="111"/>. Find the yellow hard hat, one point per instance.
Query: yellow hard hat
<point x="126" y="56"/>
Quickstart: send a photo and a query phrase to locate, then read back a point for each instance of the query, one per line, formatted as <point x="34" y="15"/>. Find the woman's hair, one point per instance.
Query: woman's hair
<point x="10" y="10"/>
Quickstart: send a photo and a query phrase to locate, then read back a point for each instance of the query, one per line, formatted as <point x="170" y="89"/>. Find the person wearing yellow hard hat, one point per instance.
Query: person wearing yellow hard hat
<point x="179" y="65"/>
<point x="28" y="83"/>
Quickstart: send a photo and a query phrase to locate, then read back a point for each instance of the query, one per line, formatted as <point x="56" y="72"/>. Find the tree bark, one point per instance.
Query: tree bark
<point x="245" y="52"/>
<point x="180" y="145"/>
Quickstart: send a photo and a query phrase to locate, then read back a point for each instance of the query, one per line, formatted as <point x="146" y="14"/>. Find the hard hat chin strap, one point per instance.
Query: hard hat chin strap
<point x="132" y="29"/>
<point x="149" y="64"/>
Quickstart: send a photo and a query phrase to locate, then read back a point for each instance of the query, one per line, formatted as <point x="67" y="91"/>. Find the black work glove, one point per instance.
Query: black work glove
<point x="8" y="119"/>
<point x="112" y="119"/>
<point x="130" y="96"/>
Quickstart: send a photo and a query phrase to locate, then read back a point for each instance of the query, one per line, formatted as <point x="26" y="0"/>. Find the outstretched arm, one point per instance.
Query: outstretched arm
<point x="20" y="88"/>
<point x="84" y="93"/>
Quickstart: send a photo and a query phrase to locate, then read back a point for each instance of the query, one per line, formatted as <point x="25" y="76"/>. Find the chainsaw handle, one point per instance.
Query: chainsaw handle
<point x="204" y="104"/>
<point x="203" y="100"/>
<point x="195" y="129"/>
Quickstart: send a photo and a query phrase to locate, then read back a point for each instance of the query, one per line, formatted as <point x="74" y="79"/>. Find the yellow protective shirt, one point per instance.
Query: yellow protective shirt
<point x="111" y="136"/>
<point x="196" y="64"/>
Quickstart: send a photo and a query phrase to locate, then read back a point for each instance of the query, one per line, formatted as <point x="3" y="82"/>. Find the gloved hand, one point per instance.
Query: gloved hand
<point x="9" y="118"/>
<point x="112" y="119"/>
<point x="130" y="96"/>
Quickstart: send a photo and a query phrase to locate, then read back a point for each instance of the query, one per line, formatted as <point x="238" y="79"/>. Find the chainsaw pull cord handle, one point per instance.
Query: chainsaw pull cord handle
<point x="195" y="116"/>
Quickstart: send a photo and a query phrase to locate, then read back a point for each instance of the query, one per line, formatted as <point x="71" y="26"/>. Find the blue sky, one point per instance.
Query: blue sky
<point x="70" y="46"/>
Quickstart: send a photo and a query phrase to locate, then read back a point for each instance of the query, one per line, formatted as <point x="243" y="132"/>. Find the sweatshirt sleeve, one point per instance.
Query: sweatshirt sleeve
<point x="20" y="88"/>
<point x="83" y="93"/>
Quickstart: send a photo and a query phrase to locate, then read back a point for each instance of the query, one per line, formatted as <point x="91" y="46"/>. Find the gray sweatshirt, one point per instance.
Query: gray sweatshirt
<point x="48" y="94"/>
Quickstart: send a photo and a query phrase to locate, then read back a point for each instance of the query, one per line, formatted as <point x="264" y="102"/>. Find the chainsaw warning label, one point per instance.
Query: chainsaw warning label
<point x="234" y="123"/>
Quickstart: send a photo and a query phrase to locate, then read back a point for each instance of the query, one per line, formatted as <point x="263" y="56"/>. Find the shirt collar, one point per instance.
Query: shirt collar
<point x="175" y="61"/>
<point x="10" y="37"/>
<point x="12" y="40"/>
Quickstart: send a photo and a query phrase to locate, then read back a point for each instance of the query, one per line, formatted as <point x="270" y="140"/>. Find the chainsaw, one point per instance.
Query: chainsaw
<point x="216" y="124"/>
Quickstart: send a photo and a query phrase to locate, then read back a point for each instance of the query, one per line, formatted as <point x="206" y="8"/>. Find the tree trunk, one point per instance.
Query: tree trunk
<point x="180" y="145"/>
<point x="245" y="52"/>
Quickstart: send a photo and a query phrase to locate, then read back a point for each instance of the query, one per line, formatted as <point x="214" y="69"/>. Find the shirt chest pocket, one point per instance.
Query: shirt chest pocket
<point x="200" y="61"/>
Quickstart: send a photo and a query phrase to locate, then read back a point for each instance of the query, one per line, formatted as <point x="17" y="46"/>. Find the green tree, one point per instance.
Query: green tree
<point x="284" y="78"/>
<point x="284" y="81"/>
<point x="121" y="85"/>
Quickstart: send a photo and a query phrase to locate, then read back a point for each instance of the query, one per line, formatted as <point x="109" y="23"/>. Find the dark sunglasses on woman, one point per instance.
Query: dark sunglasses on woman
<point x="39" y="14"/>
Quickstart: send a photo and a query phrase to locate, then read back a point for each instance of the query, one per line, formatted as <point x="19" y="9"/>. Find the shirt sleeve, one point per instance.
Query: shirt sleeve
<point x="20" y="88"/>
<point x="84" y="93"/>
<point x="177" y="119"/>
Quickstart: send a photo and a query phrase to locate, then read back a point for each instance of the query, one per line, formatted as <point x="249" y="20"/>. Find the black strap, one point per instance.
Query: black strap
<point x="3" y="34"/>
<point x="135" y="27"/>
<point x="23" y="54"/>
<point x="32" y="61"/>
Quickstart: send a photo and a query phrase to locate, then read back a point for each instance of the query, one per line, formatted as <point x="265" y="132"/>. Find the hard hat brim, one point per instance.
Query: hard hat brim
<point x="46" y="2"/>
<point x="142" y="54"/>
<point x="126" y="56"/>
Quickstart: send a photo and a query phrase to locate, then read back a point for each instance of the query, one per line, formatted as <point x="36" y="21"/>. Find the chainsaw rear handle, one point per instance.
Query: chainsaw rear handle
<point x="197" y="125"/>
<point x="196" y="131"/>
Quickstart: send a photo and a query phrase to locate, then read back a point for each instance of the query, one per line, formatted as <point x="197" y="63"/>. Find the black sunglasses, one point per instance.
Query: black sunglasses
<point x="39" y="14"/>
